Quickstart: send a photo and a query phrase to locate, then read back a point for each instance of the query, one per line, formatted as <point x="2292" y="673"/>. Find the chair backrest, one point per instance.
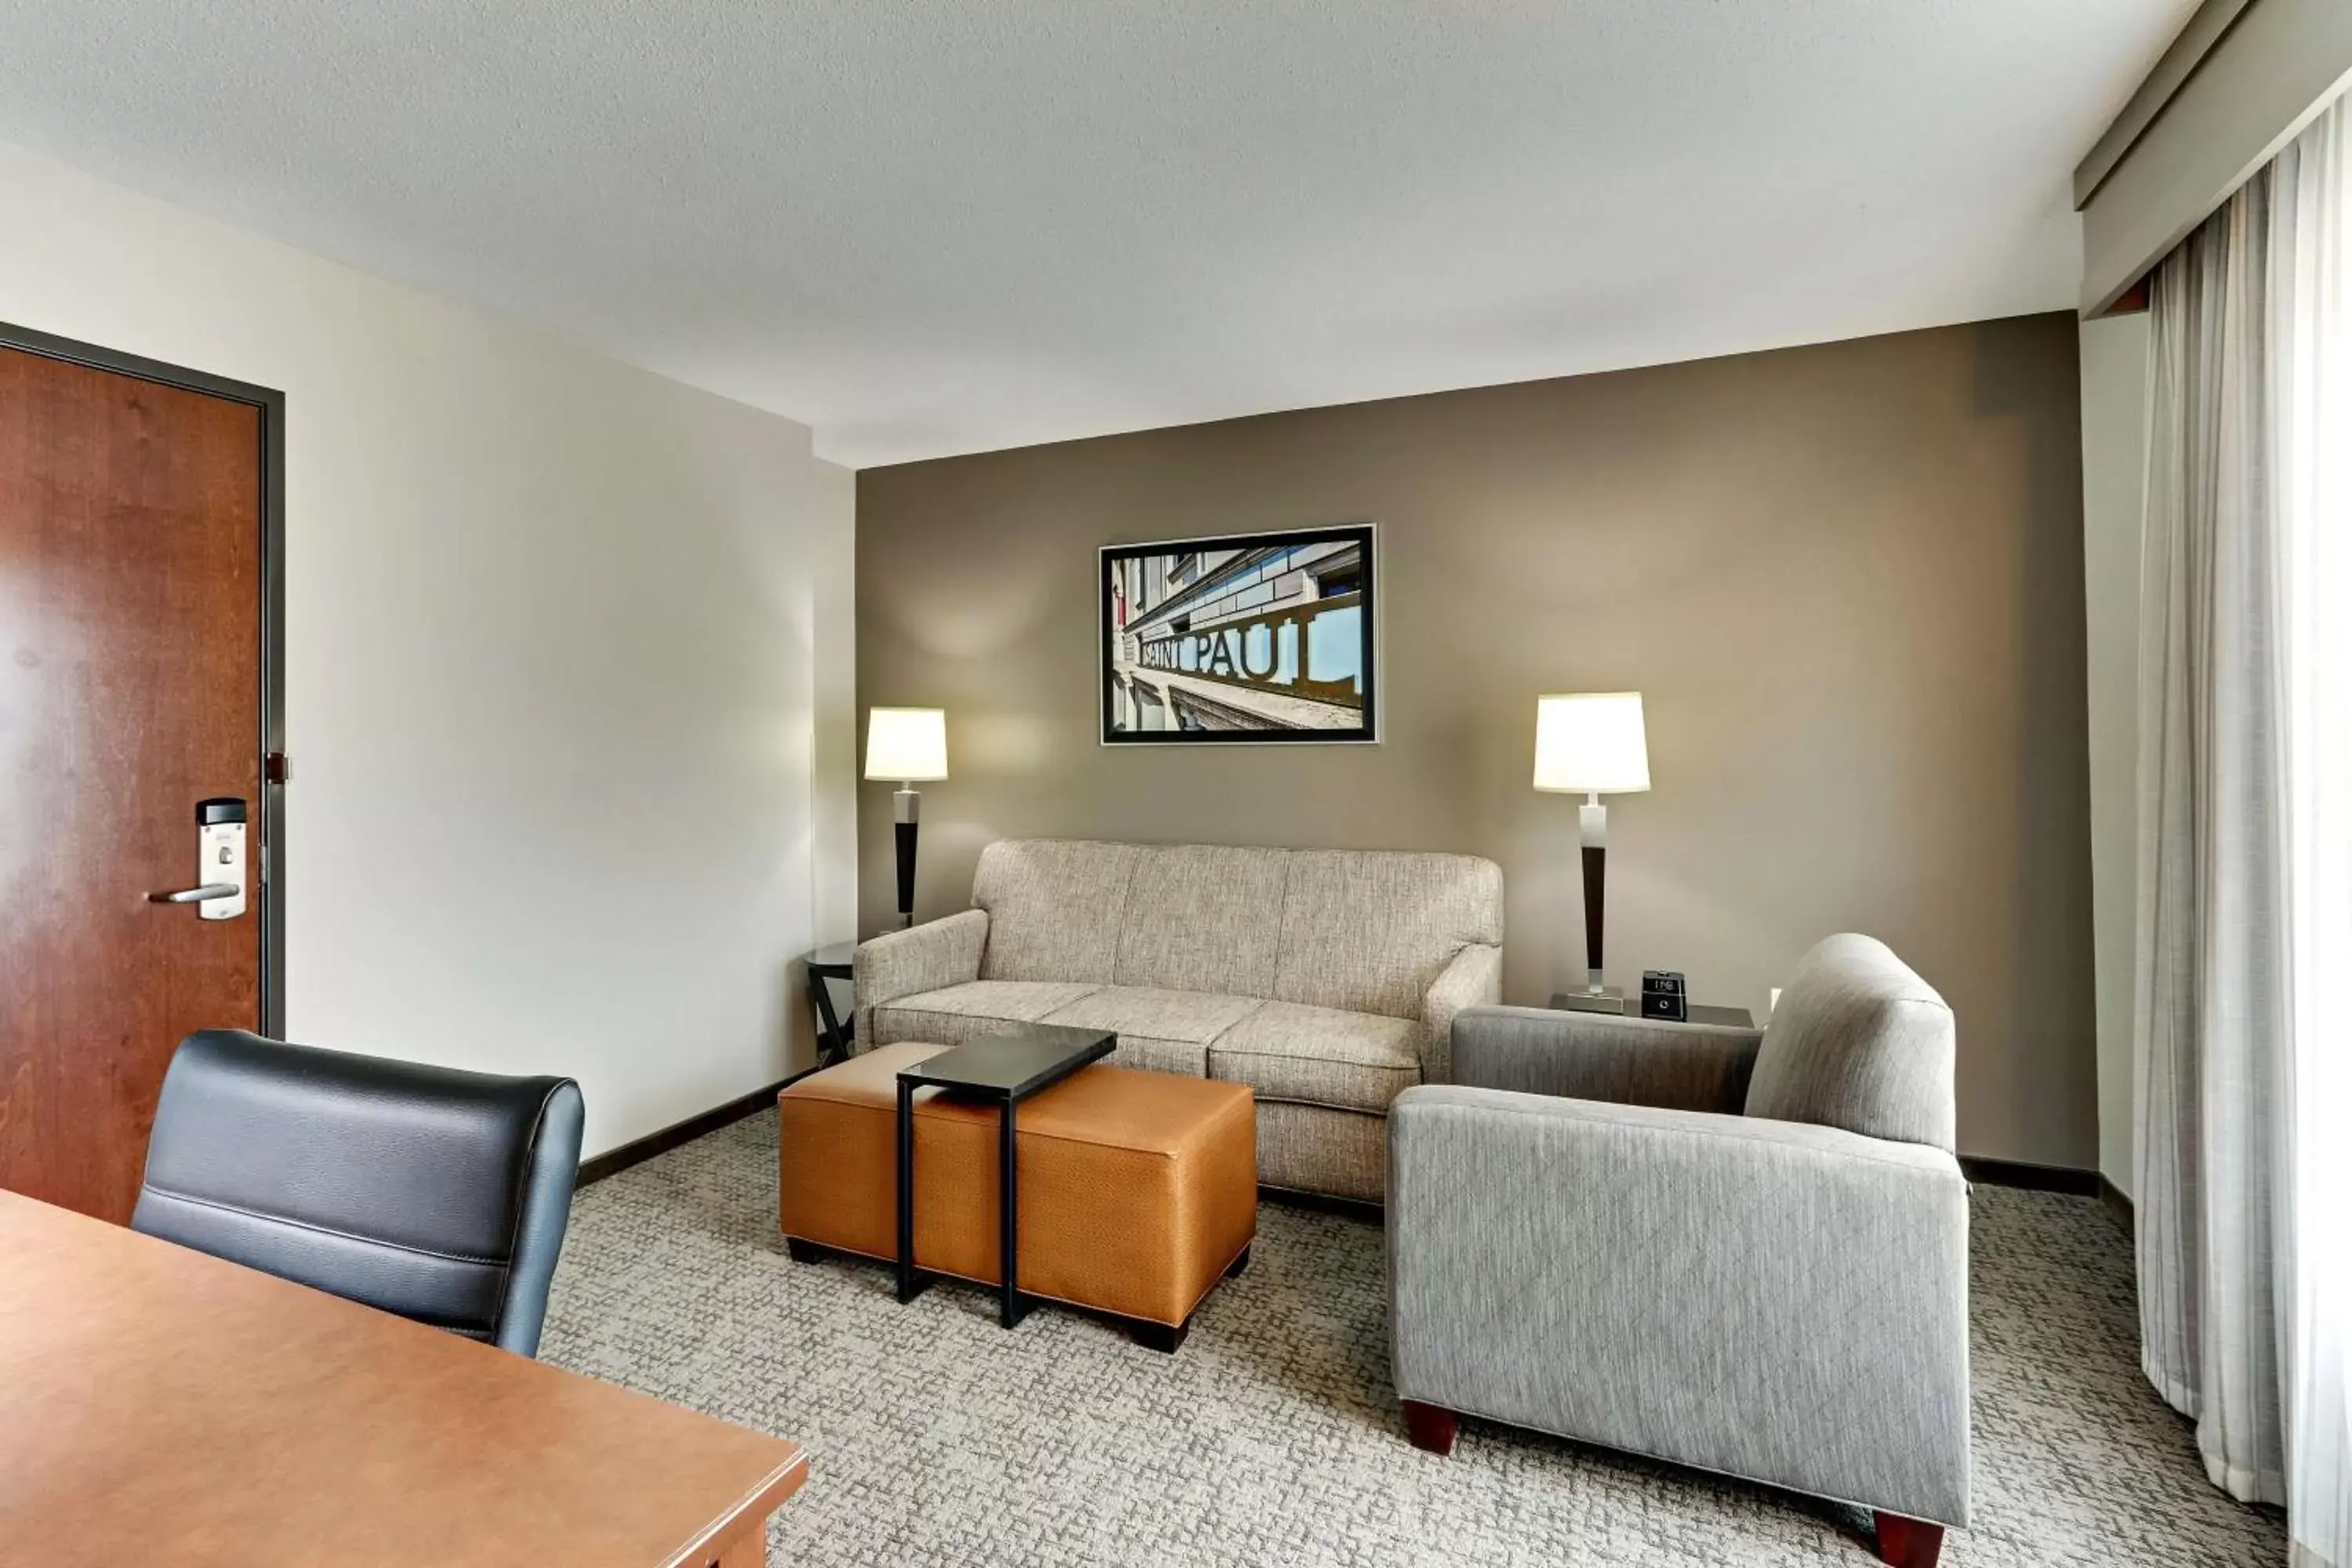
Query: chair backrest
<point x="1860" y="1042"/>
<point x="1366" y="931"/>
<point x="437" y="1194"/>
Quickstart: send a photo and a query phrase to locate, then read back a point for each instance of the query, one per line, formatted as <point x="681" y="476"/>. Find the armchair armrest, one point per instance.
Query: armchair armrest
<point x="1475" y="975"/>
<point x="1777" y="1300"/>
<point x="1596" y="1056"/>
<point x="907" y="963"/>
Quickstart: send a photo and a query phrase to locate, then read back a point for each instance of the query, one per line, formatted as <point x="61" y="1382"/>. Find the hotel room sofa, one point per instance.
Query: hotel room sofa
<point x="1745" y="1253"/>
<point x="1325" y="979"/>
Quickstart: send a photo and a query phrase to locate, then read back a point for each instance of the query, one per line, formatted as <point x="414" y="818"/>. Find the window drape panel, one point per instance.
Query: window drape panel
<point x="2244" y="1099"/>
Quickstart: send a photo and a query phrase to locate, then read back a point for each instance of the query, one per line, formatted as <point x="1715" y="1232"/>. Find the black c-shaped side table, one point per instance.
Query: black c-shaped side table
<point x="825" y="966"/>
<point x="1005" y="1070"/>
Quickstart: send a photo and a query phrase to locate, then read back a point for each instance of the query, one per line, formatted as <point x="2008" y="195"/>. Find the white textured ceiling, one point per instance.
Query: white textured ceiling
<point x="927" y="226"/>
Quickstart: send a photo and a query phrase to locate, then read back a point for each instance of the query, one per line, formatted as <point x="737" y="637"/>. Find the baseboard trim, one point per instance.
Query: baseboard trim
<point x="613" y="1162"/>
<point x="2037" y="1178"/>
<point x="1975" y="1167"/>
<point x="2118" y="1205"/>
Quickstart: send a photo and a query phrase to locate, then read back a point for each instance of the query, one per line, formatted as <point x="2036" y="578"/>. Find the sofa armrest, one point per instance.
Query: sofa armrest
<point x="1474" y="976"/>
<point x="1768" y="1300"/>
<point x="907" y="963"/>
<point x="1595" y="1056"/>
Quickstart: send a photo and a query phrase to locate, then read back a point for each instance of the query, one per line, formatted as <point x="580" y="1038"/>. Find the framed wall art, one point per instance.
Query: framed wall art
<point x="1253" y="637"/>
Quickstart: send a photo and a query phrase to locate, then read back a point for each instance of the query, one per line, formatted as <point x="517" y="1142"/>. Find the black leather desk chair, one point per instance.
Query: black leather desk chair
<point x="437" y="1194"/>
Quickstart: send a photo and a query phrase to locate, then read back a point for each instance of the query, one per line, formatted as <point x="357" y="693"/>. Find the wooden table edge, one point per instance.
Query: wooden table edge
<point x="747" y="1518"/>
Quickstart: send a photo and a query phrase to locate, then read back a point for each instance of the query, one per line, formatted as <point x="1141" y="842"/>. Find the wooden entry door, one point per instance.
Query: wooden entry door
<point x="131" y="577"/>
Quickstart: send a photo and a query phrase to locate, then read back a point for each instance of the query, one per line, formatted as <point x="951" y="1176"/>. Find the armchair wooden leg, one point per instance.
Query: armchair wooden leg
<point x="1430" y="1427"/>
<point x="1908" y="1543"/>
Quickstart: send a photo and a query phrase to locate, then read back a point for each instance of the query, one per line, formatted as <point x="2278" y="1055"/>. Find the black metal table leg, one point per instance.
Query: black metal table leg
<point x="910" y="1286"/>
<point x="833" y="1040"/>
<point x="1008" y="1187"/>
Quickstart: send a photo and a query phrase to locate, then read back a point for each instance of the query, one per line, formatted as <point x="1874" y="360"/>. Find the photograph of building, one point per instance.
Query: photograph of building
<point x="1265" y="636"/>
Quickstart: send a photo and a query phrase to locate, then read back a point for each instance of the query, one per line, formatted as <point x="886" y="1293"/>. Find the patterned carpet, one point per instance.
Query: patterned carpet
<point x="1272" y="1438"/>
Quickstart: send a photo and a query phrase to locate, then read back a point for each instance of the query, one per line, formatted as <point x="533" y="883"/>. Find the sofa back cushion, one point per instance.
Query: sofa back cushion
<point x="1201" y="916"/>
<point x="1369" y="931"/>
<point x="1054" y="907"/>
<point x="1859" y="1042"/>
<point x="1363" y="930"/>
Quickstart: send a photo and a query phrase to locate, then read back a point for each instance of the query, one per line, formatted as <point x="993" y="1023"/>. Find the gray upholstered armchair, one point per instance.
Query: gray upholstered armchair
<point x="1745" y="1253"/>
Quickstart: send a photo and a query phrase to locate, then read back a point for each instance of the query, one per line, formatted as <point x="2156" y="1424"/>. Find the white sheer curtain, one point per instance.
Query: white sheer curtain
<point x="2245" y="770"/>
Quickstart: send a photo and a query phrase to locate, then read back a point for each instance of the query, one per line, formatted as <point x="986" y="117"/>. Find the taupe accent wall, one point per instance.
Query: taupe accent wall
<point x="1847" y="580"/>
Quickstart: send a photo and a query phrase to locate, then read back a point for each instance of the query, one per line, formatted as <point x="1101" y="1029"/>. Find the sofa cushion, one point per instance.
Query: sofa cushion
<point x="1368" y="931"/>
<point x="1054" y="907"/>
<point x="1199" y="917"/>
<point x="1315" y="1149"/>
<point x="1859" y="1042"/>
<point x="1320" y="1056"/>
<point x="1158" y="1031"/>
<point x="972" y="1011"/>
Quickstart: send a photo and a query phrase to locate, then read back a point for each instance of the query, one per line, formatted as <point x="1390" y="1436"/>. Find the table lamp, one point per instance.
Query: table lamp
<point x="910" y="745"/>
<point x="1592" y="744"/>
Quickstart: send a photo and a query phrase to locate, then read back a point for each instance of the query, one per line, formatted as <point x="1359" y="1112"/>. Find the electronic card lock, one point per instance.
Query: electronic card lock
<point x="219" y="892"/>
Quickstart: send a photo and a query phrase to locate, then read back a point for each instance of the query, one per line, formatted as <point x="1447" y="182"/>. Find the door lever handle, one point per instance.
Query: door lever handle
<point x="204" y="894"/>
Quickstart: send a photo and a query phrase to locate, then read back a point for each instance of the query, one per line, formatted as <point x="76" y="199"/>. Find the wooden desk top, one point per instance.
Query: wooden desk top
<point x="158" y="1406"/>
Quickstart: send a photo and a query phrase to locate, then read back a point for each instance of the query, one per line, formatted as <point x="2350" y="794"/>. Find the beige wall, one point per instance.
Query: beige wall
<point x="1848" y="579"/>
<point x="2115" y="461"/>
<point x="835" y="748"/>
<point x="560" y="678"/>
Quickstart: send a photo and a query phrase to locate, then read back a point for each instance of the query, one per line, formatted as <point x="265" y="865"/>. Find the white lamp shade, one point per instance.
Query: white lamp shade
<point x="1591" y="743"/>
<point x="908" y="744"/>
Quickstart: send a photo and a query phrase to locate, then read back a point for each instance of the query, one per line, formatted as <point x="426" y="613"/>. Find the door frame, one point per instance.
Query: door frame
<point x="272" y="694"/>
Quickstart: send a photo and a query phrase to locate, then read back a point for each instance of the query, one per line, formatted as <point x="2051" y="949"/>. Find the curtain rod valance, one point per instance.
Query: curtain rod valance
<point x="2243" y="78"/>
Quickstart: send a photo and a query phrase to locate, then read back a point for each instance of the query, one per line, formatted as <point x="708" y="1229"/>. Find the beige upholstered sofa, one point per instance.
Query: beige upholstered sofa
<point x="1326" y="980"/>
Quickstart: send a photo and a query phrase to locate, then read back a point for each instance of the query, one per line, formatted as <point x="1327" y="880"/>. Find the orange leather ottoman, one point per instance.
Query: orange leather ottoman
<point x="1139" y="1190"/>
